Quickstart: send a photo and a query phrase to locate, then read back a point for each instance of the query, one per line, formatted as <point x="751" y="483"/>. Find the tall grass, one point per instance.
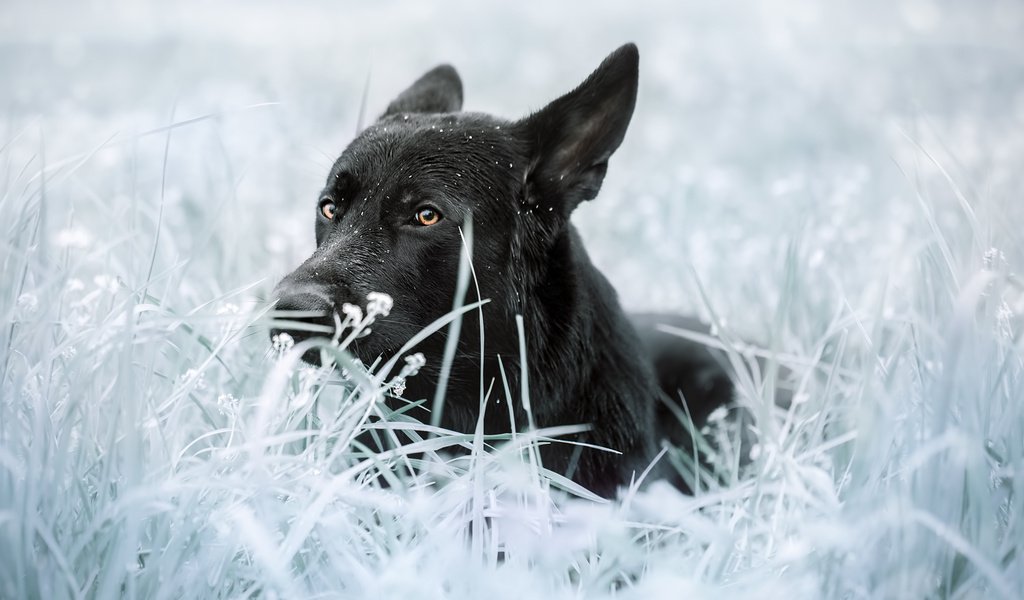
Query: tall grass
<point x="155" y="444"/>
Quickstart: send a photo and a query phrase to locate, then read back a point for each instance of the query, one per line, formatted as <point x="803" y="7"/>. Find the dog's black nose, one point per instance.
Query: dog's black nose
<point x="313" y="316"/>
<point x="304" y="301"/>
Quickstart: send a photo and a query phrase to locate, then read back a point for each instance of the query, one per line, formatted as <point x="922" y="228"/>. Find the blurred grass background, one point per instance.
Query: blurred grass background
<point x="842" y="182"/>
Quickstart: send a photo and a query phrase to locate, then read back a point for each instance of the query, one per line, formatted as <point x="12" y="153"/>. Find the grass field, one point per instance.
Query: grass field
<point x="841" y="186"/>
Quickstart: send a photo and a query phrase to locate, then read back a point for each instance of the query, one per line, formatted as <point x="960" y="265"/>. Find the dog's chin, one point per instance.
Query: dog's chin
<point x="368" y="352"/>
<point x="360" y="352"/>
<point x="312" y="357"/>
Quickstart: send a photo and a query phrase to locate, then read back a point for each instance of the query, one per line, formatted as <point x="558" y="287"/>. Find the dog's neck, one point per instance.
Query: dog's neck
<point x="585" y="366"/>
<point x="577" y="330"/>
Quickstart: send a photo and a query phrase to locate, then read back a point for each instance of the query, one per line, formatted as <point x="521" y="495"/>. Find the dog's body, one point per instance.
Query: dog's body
<point x="389" y="221"/>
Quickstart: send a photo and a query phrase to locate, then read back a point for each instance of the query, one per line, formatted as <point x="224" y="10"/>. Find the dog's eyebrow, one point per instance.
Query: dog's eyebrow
<point x="341" y="183"/>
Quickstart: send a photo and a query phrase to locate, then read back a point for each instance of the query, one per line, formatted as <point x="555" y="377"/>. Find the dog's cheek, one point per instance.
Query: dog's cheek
<point x="394" y="274"/>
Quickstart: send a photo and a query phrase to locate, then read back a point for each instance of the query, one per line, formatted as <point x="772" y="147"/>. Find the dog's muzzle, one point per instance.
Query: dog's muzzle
<point x="313" y="317"/>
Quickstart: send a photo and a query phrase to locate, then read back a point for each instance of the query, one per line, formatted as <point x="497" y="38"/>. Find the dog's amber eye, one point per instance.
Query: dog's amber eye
<point x="427" y="215"/>
<point x="328" y="209"/>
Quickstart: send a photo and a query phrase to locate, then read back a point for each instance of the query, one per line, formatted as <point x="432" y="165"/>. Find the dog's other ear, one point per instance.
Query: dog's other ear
<point x="438" y="91"/>
<point x="573" y="137"/>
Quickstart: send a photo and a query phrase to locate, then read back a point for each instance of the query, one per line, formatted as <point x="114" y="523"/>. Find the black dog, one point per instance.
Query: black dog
<point x="389" y="221"/>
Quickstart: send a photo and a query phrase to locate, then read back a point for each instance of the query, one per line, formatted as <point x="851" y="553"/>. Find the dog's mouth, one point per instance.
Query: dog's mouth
<point x="303" y="316"/>
<point x="299" y="317"/>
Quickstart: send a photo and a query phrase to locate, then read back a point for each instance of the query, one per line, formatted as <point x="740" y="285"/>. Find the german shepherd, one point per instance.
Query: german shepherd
<point x="391" y="219"/>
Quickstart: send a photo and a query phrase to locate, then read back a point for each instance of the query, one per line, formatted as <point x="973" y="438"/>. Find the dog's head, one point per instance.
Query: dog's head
<point x="392" y="214"/>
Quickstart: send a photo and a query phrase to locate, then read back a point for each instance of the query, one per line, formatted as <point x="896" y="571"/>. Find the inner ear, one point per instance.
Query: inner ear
<point x="439" y="90"/>
<point x="572" y="138"/>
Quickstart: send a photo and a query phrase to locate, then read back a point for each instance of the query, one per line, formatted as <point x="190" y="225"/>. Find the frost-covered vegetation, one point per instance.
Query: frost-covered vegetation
<point x="841" y="186"/>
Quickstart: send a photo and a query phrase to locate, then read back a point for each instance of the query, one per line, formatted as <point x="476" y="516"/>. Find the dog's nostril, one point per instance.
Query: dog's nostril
<point x="304" y="302"/>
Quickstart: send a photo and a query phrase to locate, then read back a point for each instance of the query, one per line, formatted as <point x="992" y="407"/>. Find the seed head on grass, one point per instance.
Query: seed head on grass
<point x="379" y="304"/>
<point x="228" y="405"/>
<point x="353" y="314"/>
<point x="413" y="364"/>
<point x="282" y="342"/>
<point x="28" y="304"/>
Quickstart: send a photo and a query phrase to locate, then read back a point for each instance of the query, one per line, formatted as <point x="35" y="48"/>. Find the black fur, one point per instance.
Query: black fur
<point x="519" y="182"/>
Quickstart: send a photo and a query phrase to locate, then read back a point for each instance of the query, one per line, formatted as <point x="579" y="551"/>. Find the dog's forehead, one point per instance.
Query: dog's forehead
<point x="413" y="144"/>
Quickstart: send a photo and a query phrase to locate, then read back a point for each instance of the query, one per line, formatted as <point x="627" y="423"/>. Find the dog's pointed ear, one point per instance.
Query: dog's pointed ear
<point x="572" y="138"/>
<point x="439" y="90"/>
